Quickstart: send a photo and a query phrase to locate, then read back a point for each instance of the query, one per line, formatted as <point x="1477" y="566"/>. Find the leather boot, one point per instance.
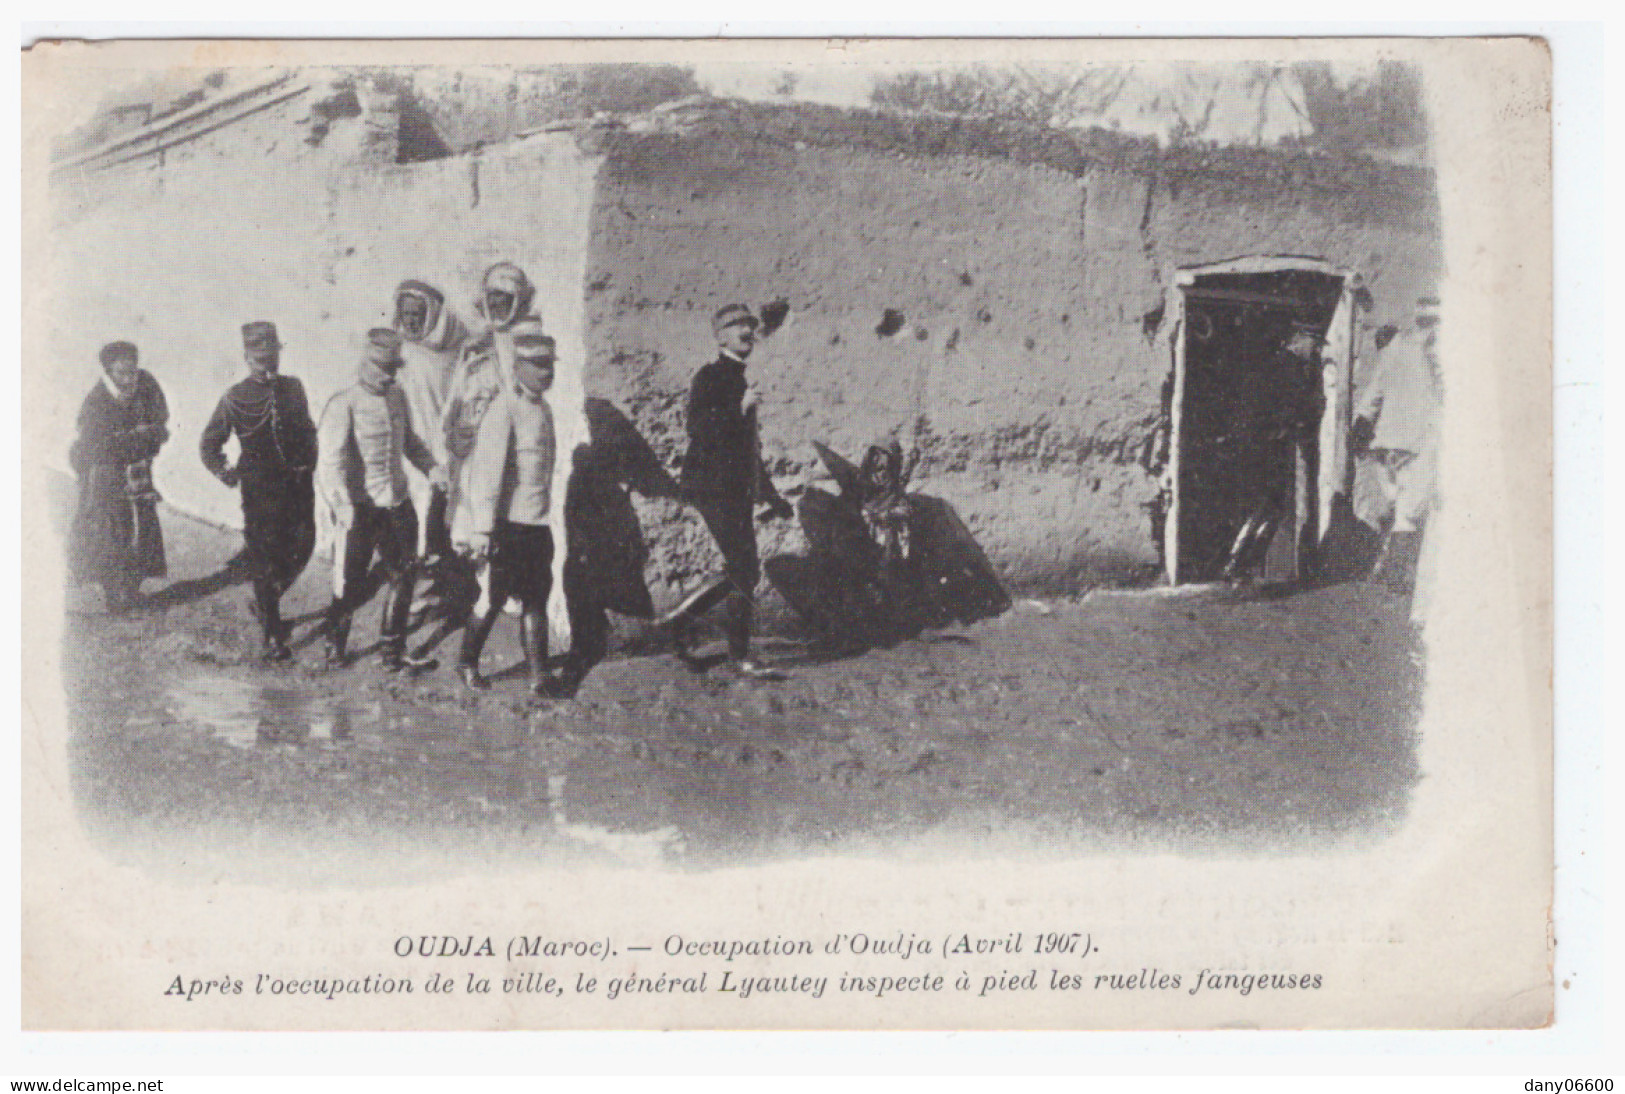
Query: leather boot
<point x="392" y="625"/>
<point x="396" y="617"/>
<point x="474" y="636"/>
<point x="268" y="610"/>
<point x="338" y="638"/>
<point x="533" y="639"/>
<point x="680" y="620"/>
<point x="397" y="607"/>
<point x="572" y="675"/>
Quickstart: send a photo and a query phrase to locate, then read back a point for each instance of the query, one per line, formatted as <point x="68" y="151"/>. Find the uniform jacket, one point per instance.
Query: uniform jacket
<point x="363" y="435"/>
<point x="723" y="459"/>
<point x="510" y="472"/>
<point x="271" y="419"/>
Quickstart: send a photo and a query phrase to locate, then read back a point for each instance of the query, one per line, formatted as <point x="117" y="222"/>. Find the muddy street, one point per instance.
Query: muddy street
<point x="1121" y="716"/>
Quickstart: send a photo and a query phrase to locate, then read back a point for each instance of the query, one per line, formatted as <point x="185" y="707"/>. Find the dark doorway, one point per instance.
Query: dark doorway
<point x="1250" y="410"/>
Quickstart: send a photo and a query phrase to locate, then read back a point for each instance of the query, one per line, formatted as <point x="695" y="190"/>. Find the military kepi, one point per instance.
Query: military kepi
<point x="383" y="346"/>
<point x="530" y="342"/>
<point x="731" y="315"/>
<point x="260" y="337"/>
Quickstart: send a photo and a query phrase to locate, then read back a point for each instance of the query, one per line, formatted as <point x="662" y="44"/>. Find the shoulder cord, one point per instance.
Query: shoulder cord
<point x="261" y="412"/>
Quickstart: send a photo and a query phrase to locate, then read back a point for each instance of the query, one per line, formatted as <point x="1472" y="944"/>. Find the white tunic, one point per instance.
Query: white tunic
<point x="360" y="442"/>
<point x="511" y="469"/>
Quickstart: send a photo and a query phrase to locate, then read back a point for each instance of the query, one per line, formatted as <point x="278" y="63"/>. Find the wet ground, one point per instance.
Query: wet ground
<point x="1212" y="717"/>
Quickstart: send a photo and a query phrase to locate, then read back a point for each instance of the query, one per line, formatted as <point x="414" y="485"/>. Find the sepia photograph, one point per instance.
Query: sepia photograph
<point x="656" y="467"/>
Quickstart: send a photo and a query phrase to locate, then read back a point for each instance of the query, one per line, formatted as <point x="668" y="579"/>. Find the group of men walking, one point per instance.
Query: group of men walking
<point x="468" y="410"/>
<point x="466" y="406"/>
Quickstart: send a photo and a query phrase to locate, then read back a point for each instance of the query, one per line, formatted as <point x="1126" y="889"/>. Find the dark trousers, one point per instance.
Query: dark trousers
<point x="732" y="524"/>
<point x="522" y="568"/>
<point x="437" y="535"/>
<point x="1271" y="496"/>
<point x="451" y="580"/>
<point x="279" y="533"/>
<point x="391" y="535"/>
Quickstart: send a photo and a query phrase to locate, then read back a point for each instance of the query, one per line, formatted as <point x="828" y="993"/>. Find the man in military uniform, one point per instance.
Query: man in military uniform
<point x="510" y="501"/>
<point x="270" y="418"/>
<point x="365" y="431"/>
<point x="724" y="478"/>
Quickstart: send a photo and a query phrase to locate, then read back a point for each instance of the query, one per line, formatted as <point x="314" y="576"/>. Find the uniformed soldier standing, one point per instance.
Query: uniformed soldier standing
<point x="270" y="418"/>
<point x="724" y="478"/>
<point x="510" y="490"/>
<point x="365" y="431"/>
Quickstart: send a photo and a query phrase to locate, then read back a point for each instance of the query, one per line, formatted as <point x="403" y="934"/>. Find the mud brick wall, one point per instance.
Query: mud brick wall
<point x="990" y="297"/>
<point x="1000" y="314"/>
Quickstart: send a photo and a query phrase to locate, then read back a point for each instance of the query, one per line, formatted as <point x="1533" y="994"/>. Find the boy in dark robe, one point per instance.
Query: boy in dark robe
<point x="116" y="539"/>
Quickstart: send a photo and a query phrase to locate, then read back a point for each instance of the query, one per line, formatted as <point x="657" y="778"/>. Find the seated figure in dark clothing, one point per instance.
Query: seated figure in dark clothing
<point x="883" y="563"/>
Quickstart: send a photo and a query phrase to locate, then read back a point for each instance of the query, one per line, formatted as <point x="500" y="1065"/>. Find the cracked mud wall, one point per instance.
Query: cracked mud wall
<point x="993" y="312"/>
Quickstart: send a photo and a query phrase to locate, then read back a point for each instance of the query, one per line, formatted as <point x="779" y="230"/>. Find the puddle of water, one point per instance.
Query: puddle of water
<point x="654" y="847"/>
<point x="246" y="714"/>
<point x="645" y="822"/>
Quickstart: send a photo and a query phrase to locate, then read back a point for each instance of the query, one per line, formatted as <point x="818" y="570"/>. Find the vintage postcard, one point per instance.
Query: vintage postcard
<point x="941" y="534"/>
